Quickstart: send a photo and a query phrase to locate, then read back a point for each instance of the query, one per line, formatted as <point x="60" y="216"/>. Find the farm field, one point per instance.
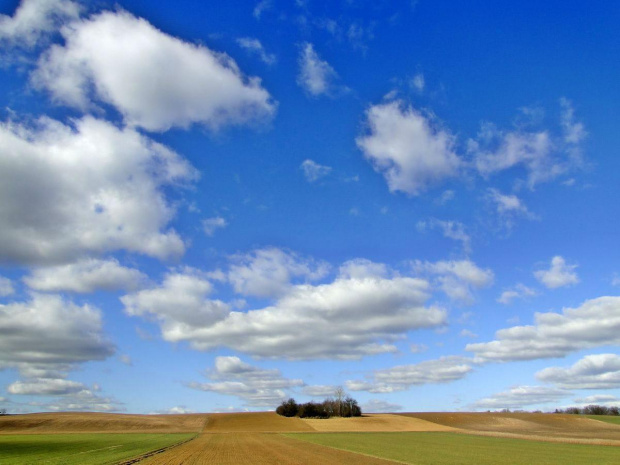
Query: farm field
<point x="606" y="418"/>
<point x="81" y="449"/>
<point x="452" y="448"/>
<point x="267" y="438"/>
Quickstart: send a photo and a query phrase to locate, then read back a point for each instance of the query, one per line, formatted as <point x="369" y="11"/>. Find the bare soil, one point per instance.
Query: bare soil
<point x="375" y="423"/>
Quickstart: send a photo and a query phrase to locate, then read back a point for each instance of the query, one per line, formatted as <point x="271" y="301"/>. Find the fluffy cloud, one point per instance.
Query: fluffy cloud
<point x="45" y="387"/>
<point x="85" y="276"/>
<point x="210" y="225"/>
<point x="559" y="275"/>
<point x="457" y="278"/>
<point x="451" y="229"/>
<point x="6" y="287"/>
<point x="269" y="272"/>
<point x="519" y="291"/>
<point x="87" y="188"/>
<point x="256" y="386"/>
<point x="380" y="406"/>
<point x="84" y="401"/>
<point x="520" y="397"/>
<point x="403" y="145"/>
<point x="542" y="155"/>
<point x="509" y="208"/>
<point x="401" y="378"/>
<point x="156" y="81"/>
<point x="601" y="371"/>
<point x="254" y="46"/>
<point x="47" y="334"/>
<point x="34" y="18"/>
<point x="596" y="323"/>
<point x="313" y="171"/>
<point x="346" y="319"/>
<point x="315" y="75"/>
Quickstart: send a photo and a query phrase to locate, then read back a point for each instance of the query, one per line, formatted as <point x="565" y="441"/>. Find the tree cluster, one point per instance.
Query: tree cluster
<point x="590" y="410"/>
<point x="2" y="411"/>
<point x="346" y="407"/>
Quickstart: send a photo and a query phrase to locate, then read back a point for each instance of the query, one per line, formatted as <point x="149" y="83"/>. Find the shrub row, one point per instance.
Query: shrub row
<point x="590" y="410"/>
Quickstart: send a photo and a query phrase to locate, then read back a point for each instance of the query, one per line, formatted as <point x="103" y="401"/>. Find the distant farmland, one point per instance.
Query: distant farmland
<point x="267" y="438"/>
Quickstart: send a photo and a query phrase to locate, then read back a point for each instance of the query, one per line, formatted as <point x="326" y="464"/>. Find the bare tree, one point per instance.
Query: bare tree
<point x="339" y="395"/>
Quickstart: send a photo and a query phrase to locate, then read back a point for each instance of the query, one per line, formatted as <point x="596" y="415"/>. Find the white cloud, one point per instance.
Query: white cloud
<point x="380" y="406"/>
<point x="454" y="230"/>
<point x="600" y="371"/>
<point x="418" y="82"/>
<point x="346" y="319"/>
<point x="315" y="75"/>
<point x="255" y="47"/>
<point x="6" y="287"/>
<point x="401" y="378"/>
<point x="542" y="155"/>
<point x="34" y="18"/>
<point x="615" y="281"/>
<point x="125" y="359"/>
<point x="457" y="278"/>
<point x="84" y="401"/>
<point x="180" y="304"/>
<point x="261" y="7"/>
<point x="155" y="80"/>
<point x="404" y="146"/>
<point x="256" y="386"/>
<point x="596" y="323"/>
<point x="509" y="207"/>
<point x="468" y="333"/>
<point x="269" y="272"/>
<point x="521" y="396"/>
<point x="45" y="387"/>
<point x="361" y="268"/>
<point x="519" y="291"/>
<point x="210" y="225"/>
<point x="559" y="275"/>
<point x="85" y="276"/>
<point x="176" y="410"/>
<point x="321" y="391"/>
<point x="598" y="399"/>
<point x="47" y="334"/>
<point x="313" y="171"/>
<point x="88" y="188"/>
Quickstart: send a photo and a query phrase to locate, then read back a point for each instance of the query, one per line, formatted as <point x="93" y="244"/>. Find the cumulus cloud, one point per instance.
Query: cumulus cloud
<point x="542" y="155"/>
<point x="457" y="278"/>
<point x="45" y="387"/>
<point x="85" y="276"/>
<point x="35" y="18"/>
<point x="255" y="47"/>
<point x="454" y="230"/>
<point x="380" y="406"/>
<point x="401" y="378"/>
<point x="91" y="187"/>
<point x="596" y="323"/>
<point x="84" y="401"/>
<point x="210" y="225"/>
<point x="256" y="386"/>
<point x="345" y="319"/>
<point x="156" y="81"/>
<point x="6" y="287"/>
<point x="313" y="171"/>
<point x="509" y="208"/>
<point x="269" y="272"/>
<point x="600" y="371"/>
<point x="48" y="334"/>
<point x="405" y="146"/>
<point x="316" y="76"/>
<point x="361" y="268"/>
<point x="521" y="396"/>
<point x="559" y="275"/>
<point x="519" y="291"/>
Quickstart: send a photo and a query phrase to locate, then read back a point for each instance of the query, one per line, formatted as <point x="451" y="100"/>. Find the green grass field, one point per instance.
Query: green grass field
<point x="451" y="448"/>
<point x="80" y="449"/>
<point x="606" y="418"/>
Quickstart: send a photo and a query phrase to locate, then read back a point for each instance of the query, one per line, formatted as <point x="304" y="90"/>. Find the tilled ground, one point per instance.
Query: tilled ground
<point x="258" y="449"/>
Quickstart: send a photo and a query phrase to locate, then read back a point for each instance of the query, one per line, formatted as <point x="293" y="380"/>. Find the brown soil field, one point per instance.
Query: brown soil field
<point x="50" y="423"/>
<point x="540" y="426"/>
<point x="257" y="422"/>
<point x="375" y="423"/>
<point x="257" y="449"/>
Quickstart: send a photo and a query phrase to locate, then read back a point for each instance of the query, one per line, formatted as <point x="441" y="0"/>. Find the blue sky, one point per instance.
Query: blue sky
<point x="214" y="207"/>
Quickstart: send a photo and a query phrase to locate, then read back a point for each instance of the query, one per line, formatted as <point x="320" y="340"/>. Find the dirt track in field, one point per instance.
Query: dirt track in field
<point x="539" y="426"/>
<point x="258" y="449"/>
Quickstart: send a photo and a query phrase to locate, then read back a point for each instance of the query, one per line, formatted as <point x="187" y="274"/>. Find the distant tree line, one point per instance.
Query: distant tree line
<point x="345" y="407"/>
<point x="2" y="411"/>
<point x="590" y="410"/>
